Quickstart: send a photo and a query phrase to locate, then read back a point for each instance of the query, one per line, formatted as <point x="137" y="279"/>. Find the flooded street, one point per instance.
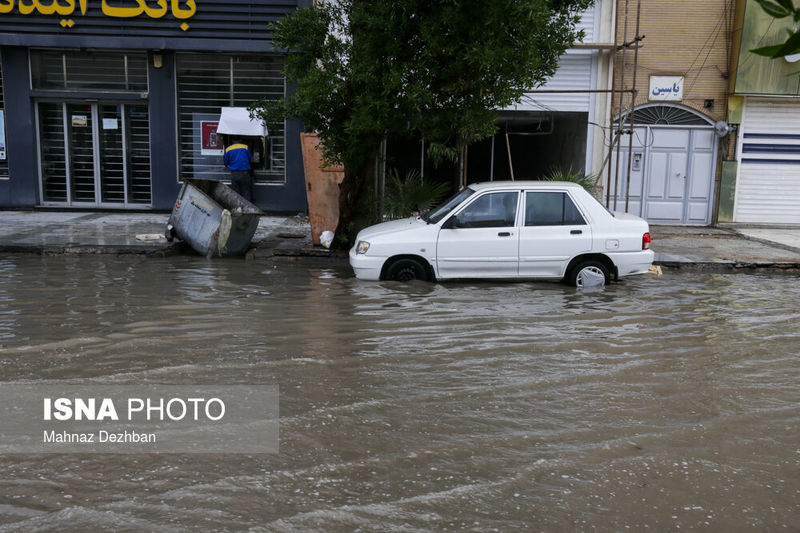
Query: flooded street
<point x="658" y="403"/>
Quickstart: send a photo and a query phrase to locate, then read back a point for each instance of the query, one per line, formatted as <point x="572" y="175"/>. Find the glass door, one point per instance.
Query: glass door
<point x="94" y="154"/>
<point x="110" y="156"/>
<point x="52" y="153"/>
<point x="137" y="153"/>
<point x="80" y="151"/>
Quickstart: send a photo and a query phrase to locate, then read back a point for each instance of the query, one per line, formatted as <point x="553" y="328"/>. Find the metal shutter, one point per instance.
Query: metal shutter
<point x="208" y="82"/>
<point x="53" y="153"/>
<point x="588" y="23"/>
<point x="574" y="72"/>
<point x="3" y="149"/>
<point x="88" y="71"/>
<point x="137" y="138"/>
<point x="768" y="187"/>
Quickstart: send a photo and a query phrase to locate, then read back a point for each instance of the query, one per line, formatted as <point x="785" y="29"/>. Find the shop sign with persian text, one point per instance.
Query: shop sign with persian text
<point x="666" y="88"/>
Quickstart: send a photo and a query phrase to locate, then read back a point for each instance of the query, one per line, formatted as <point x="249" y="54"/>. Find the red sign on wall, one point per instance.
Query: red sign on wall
<point x="211" y="144"/>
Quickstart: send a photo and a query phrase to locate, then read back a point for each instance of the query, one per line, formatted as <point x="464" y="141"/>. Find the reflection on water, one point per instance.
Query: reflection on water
<point x="658" y="403"/>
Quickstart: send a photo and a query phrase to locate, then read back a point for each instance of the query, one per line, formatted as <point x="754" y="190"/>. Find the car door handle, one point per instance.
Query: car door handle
<point x="576" y="232"/>
<point x="504" y="234"/>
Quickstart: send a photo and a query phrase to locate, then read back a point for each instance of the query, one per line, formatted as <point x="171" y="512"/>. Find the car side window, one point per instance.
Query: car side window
<point x="493" y="210"/>
<point x="551" y="209"/>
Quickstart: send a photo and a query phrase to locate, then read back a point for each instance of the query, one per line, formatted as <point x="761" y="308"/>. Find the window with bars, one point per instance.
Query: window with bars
<point x="3" y="150"/>
<point x="55" y="70"/>
<point x="208" y="82"/>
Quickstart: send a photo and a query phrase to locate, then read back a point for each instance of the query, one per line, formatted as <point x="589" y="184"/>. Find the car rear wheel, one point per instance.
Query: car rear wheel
<point x="589" y="273"/>
<point x="407" y="269"/>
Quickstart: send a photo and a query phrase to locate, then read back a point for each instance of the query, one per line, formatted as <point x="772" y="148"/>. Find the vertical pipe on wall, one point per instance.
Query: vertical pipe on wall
<point x="618" y="136"/>
<point x="633" y="105"/>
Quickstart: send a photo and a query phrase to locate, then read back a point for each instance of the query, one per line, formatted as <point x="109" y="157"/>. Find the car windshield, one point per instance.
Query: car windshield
<point x="443" y="210"/>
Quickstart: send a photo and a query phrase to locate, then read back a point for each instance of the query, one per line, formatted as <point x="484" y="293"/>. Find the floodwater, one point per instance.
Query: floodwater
<point x="658" y="403"/>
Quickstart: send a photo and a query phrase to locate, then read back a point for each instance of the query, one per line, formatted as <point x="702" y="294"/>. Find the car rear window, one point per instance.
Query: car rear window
<point x="551" y="209"/>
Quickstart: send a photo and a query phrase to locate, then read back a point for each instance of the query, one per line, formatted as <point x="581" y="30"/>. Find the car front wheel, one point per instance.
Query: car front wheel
<point x="406" y="269"/>
<point x="588" y="274"/>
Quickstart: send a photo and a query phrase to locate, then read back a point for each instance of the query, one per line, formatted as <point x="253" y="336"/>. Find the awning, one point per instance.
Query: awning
<point x="236" y="121"/>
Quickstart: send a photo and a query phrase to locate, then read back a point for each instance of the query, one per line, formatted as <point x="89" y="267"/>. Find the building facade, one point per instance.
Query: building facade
<point x="679" y="71"/>
<point x="762" y="182"/>
<point x="111" y="106"/>
<point x="556" y="126"/>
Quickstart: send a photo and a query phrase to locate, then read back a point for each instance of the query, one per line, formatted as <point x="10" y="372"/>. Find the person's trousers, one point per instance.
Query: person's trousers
<point x="242" y="183"/>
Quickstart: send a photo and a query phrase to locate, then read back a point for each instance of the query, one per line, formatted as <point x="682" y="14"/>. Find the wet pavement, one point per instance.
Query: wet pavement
<point x="659" y="403"/>
<point x="53" y="232"/>
<point x="726" y="248"/>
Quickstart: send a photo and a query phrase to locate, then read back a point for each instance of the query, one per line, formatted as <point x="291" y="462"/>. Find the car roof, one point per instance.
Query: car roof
<point x="523" y="184"/>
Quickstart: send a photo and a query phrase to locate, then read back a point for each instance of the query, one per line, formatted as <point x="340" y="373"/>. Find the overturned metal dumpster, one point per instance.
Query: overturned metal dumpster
<point x="213" y="219"/>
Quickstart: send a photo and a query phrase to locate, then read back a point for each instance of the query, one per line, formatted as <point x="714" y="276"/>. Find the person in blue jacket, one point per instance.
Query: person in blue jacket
<point x="237" y="158"/>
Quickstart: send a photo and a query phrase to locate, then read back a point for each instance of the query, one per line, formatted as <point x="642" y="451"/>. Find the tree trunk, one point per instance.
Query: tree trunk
<point x="351" y="192"/>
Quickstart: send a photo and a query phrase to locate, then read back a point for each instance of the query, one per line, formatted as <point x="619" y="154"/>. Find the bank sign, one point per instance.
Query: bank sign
<point x="241" y="25"/>
<point x="69" y="11"/>
<point x="666" y="89"/>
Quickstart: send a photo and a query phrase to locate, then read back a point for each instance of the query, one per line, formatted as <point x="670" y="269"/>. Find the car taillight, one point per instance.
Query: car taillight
<point x="646" y="241"/>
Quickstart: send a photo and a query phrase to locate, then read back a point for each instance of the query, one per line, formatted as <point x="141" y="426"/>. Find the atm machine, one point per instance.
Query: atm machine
<point x="236" y="122"/>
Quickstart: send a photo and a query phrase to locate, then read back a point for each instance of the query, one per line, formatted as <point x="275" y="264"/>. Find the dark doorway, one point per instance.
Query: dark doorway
<point x="539" y="142"/>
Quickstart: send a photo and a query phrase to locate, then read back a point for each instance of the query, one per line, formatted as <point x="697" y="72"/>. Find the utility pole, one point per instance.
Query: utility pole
<point x="624" y="111"/>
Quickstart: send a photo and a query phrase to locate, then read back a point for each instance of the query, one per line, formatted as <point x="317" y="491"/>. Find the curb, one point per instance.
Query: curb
<point x="310" y="252"/>
<point x="176" y="248"/>
<point x="732" y="267"/>
<point x="91" y="249"/>
<point x="766" y="242"/>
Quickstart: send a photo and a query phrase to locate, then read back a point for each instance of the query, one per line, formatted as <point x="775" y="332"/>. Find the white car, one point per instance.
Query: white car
<point x="508" y="229"/>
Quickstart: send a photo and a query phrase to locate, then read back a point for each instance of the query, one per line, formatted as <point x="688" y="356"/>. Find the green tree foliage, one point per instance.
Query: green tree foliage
<point x="410" y="194"/>
<point x="781" y="9"/>
<point x="364" y="69"/>
<point x="587" y="181"/>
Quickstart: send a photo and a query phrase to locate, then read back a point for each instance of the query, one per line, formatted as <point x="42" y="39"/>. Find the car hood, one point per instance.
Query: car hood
<point x="393" y="226"/>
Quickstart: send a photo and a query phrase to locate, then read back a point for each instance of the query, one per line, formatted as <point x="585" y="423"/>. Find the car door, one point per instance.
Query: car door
<point x="554" y="231"/>
<point x="482" y="239"/>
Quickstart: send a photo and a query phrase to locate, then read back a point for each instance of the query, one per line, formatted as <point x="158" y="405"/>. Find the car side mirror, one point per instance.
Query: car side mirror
<point x="451" y="223"/>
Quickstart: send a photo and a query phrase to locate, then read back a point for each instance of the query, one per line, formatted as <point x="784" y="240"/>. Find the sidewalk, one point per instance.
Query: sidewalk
<point x="52" y="232"/>
<point x="728" y="248"/>
<point x="722" y="249"/>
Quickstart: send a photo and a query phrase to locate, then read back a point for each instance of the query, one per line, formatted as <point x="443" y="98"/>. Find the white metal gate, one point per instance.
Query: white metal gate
<point x="672" y="174"/>
<point x="768" y="184"/>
